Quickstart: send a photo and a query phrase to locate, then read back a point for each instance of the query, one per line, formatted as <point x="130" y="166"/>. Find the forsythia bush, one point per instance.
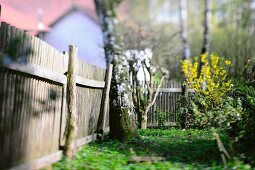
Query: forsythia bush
<point x="212" y="82"/>
<point x="211" y="105"/>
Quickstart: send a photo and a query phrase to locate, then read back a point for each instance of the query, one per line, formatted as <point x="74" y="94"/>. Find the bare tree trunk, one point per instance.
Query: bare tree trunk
<point x="207" y="16"/>
<point x="184" y="29"/>
<point x="150" y="104"/>
<point x="122" y="119"/>
<point x="206" y="38"/>
<point x="184" y="36"/>
<point x="144" y="120"/>
<point x="105" y="22"/>
<point x="186" y="49"/>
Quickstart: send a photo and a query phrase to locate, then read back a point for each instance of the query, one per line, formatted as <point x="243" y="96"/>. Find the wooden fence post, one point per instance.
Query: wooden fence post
<point x="105" y="103"/>
<point x="71" y="126"/>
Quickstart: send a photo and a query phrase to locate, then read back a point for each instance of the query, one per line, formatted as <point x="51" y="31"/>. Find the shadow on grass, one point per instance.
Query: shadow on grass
<point x="188" y="147"/>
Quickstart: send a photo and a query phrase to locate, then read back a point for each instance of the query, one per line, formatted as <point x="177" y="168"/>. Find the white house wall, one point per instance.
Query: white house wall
<point x="78" y="29"/>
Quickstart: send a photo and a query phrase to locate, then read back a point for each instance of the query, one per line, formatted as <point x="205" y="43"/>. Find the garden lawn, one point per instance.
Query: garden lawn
<point x="155" y="149"/>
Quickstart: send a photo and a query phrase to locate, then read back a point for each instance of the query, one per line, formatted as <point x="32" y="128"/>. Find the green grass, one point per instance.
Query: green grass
<point x="179" y="149"/>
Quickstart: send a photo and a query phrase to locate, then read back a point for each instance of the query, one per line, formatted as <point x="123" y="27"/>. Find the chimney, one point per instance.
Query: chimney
<point x="40" y="20"/>
<point x="40" y="24"/>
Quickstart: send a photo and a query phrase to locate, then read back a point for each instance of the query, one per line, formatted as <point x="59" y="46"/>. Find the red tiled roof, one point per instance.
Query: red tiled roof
<point x="18" y="19"/>
<point x="24" y="13"/>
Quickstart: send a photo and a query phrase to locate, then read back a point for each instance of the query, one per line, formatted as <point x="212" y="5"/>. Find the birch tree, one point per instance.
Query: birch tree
<point x="206" y="35"/>
<point x="206" y="38"/>
<point x="122" y="117"/>
<point x="184" y="37"/>
<point x="186" y="54"/>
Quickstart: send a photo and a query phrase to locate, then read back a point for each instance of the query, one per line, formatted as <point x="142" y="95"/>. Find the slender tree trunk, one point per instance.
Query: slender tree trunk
<point x="206" y="39"/>
<point x="184" y="37"/>
<point x="106" y="22"/>
<point x="186" y="49"/>
<point x="152" y="100"/>
<point x="144" y="120"/>
<point x="184" y="29"/>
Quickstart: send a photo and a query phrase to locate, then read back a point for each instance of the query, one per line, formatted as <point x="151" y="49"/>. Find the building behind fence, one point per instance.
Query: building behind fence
<point x="33" y="107"/>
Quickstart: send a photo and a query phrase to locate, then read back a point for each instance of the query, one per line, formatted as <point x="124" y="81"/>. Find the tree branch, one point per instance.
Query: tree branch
<point x="156" y="94"/>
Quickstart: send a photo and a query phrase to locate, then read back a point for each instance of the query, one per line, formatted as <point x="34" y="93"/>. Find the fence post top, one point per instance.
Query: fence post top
<point x="72" y="46"/>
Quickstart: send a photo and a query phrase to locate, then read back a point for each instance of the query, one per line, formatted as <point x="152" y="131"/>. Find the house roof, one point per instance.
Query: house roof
<point x="18" y="19"/>
<point x="24" y="13"/>
<point x="91" y="15"/>
<point x="18" y="12"/>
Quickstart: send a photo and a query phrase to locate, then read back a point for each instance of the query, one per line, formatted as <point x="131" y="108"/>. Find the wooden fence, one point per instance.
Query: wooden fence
<point x="166" y="104"/>
<point x="33" y="108"/>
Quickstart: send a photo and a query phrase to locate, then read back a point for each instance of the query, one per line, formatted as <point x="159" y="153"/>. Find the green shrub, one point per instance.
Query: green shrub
<point x="243" y="131"/>
<point x="210" y="106"/>
<point x="198" y="115"/>
<point x="222" y="116"/>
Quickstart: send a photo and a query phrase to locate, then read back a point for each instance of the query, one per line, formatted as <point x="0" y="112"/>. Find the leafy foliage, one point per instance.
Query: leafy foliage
<point x="243" y="130"/>
<point x="229" y="112"/>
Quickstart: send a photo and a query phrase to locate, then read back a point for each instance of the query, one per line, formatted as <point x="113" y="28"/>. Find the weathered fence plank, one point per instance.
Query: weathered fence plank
<point x="89" y="82"/>
<point x="85" y="140"/>
<point x="105" y="103"/>
<point x="41" y="162"/>
<point x="38" y="71"/>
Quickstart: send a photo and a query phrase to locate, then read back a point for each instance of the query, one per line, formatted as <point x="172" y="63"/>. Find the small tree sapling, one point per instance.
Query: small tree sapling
<point x="144" y="96"/>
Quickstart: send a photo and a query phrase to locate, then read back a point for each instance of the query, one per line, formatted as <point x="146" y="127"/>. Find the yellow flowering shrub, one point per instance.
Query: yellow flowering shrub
<point x="212" y="82"/>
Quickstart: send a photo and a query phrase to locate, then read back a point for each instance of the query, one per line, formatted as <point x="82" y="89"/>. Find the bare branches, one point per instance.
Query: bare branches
<point x="145" y="97"/>
<point x="156" y="93"/>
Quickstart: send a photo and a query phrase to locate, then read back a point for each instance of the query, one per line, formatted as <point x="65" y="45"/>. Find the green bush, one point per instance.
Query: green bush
<point x="197" y="114"/>
<point x="236" y="115"/>
<point x="210" y="105"/>
<point x="243" y="131"/>
<point x="220" y="117"/>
